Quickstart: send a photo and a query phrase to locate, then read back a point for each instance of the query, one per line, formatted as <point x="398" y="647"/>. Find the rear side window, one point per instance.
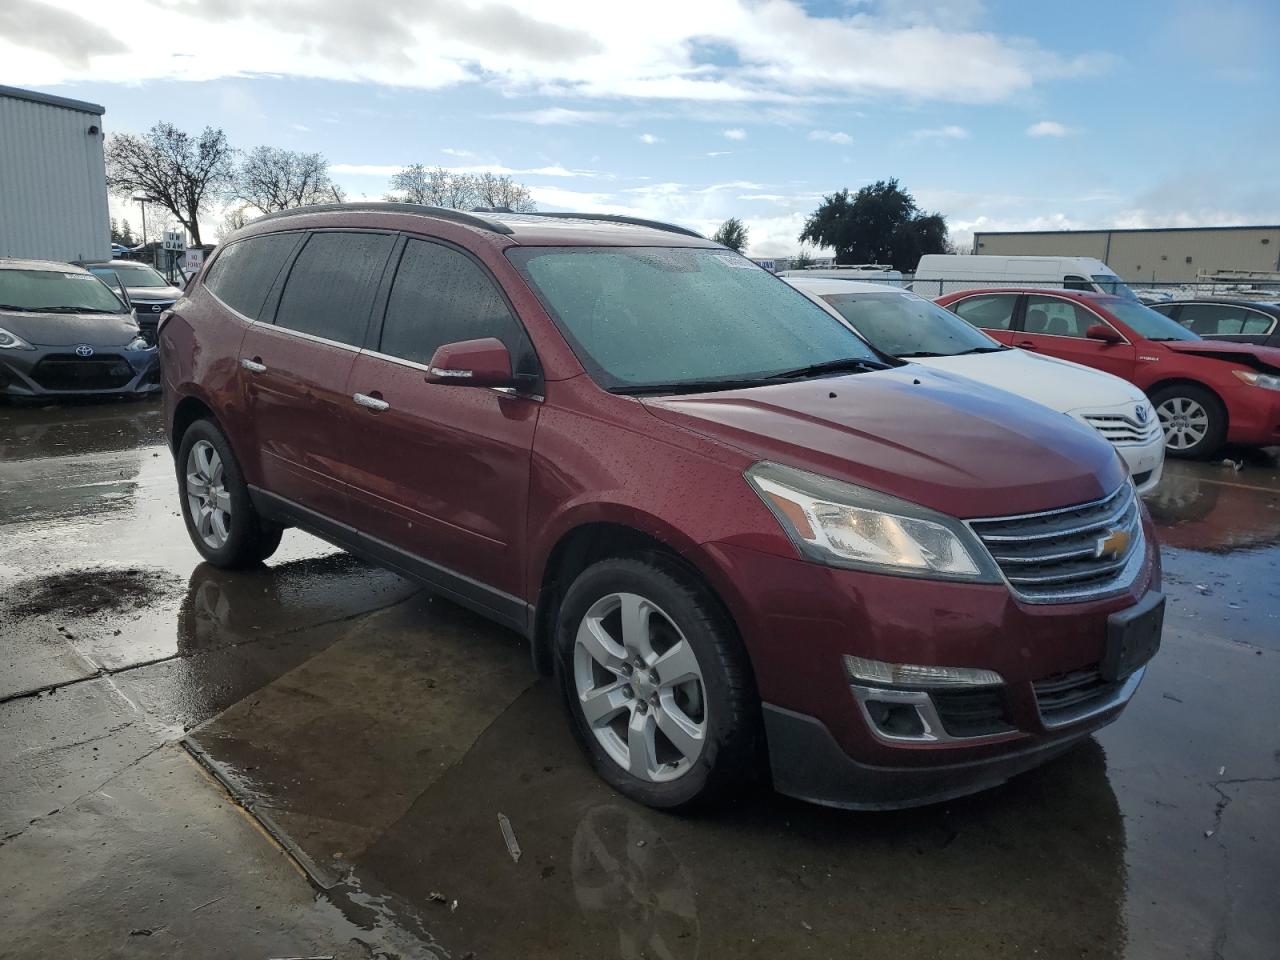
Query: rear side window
<point x="242" y="275"/>
<point x="990" y="313"/>
<point x="332" y="284"/>
<point x="442" y="296"/>
<point x="1225" y="320"/>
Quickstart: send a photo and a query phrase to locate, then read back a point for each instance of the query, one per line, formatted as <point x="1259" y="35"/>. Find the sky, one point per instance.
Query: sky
<point x="1001" y="115"/>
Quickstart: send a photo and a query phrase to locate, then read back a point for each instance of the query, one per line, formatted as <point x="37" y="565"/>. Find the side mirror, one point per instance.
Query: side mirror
<point x="472" y="363"/>
<point x="1100" y="331"/>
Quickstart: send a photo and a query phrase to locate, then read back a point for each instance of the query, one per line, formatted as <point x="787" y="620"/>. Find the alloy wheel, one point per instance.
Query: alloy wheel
<point x="1185" y="422"/>
<point x="640" y="687"/>
<point x="207" y="495"/>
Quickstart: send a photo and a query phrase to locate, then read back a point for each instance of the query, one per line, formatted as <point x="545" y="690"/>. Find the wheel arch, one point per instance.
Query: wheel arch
<point x="1178" y="381"/>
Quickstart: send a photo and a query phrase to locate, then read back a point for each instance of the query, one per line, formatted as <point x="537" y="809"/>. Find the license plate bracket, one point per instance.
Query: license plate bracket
<point x="1133" y="637"/>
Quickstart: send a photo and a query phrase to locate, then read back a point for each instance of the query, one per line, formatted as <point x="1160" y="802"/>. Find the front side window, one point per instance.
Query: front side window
<point x="1076" y="283"/>
<point x="989" y="312"/>
<point x="331" y="286"/>
<point x="56" y="291"/>
<point x="1056" y="317"/>
<point x="1146" y="322"/>
<point x="243" y="273"/>
<point x="682" y="317"/>
<point x="442" y="296"/>
<point x="905" y="325"/>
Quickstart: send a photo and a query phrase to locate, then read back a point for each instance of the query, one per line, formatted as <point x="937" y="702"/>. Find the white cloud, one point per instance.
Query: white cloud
<point x="719" y="153"/>
<point x="737" y="133"/>
<point x="498" y="169"/>
<point x="949" y="132"/>
<point x="830" y="136"/>
<point x="781" y="52"/>
<point x="557" y="116"/>
<point x="1048" y="128"/>
<point x="649" y="138"/>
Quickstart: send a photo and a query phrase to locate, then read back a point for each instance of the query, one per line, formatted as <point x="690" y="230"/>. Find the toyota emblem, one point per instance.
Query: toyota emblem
<point x="1140" y="412"/>
<point x="84" y="350"/>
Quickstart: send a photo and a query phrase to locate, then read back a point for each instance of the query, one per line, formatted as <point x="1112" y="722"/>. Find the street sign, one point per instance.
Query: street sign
<point x="192" y="261"/>
<point x="175" y="240"/>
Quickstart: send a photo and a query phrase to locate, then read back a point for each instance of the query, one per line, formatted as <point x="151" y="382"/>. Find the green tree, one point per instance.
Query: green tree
<point x="879" y="224"/>
<point x="732" y="233"/>
<point x="126" y="234"/>
<point x="801" y="260"/>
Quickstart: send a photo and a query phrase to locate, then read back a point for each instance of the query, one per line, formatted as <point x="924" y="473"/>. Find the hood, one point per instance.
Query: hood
<point x="1264" y="359"/>
<point x="927" y="436"/>
<point x="151" y="294"/>
<point x="70" y="329"/>
<point x="1058" y="384"/>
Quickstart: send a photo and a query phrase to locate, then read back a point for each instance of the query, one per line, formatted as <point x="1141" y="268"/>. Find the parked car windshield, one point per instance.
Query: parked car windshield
<point x="1110" y="283"/>
<point x="906" y="325"/>
<point x="139" y="275"/>
<point x="52" y="291"/>
<point x="1149" y="323"/>
<point x="664" y="317"/>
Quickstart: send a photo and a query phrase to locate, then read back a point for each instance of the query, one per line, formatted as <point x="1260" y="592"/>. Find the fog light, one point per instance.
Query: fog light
<point x="895" y="720"/>
<point x="915" y="675"/>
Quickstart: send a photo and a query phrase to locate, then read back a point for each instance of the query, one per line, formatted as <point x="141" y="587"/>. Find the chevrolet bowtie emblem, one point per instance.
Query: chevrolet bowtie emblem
<point x="1114" y="544"/>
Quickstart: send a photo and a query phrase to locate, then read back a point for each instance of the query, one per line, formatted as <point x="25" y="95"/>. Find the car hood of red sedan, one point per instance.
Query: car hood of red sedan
<point x="1265" y="359"/>
<point x="934" y="438"/>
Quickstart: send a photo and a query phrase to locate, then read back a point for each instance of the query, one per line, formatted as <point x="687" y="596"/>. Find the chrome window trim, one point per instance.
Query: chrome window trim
<point x="425" y="368"/>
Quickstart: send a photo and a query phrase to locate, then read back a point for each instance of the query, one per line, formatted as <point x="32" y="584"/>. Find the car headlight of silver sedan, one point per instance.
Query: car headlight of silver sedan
<point x="844" y="525"/>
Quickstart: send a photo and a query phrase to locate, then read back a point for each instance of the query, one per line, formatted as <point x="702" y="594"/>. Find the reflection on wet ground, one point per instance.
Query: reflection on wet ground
<point x="379" y="732"/>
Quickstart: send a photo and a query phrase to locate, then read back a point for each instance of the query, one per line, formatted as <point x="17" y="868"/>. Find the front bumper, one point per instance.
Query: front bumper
<point x="1253" y="416"/>
<point x="58" y="372"/>
<point x="800" y="619"/>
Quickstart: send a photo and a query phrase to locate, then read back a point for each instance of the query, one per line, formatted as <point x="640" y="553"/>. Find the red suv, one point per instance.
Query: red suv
<point x="740" y="538"/>
<point x="1206" y="393"/>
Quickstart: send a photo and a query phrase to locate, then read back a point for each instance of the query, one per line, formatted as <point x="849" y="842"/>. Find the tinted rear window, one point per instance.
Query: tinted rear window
<point x="332" y="284"/>
<point x="242" y="275"/>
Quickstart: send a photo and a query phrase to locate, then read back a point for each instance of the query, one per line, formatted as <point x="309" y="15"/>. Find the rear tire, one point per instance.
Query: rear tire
<point x="1193" y="418"/>
<point x="658" y="687"/>
<point x="220" y="516"/>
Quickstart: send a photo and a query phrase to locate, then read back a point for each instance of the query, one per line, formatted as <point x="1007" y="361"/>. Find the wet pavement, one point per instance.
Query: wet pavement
<point x="310" y="760"/>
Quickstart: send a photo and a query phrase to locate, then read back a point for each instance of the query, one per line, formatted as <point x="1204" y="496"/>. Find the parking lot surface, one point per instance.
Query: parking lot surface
<point x="310" y="760"/>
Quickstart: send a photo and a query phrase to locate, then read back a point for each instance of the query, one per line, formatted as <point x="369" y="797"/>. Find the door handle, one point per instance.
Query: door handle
<point x="1026" y="344"/>
<point x="253" y="366"/>
<point x="372" y="403"/>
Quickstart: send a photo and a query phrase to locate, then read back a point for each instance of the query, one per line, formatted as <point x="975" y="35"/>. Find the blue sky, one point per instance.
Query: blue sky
<point x="1000" y="115"/>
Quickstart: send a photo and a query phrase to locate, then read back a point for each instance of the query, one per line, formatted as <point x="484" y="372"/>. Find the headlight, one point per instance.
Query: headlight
<point x="11" y="341"/>
<point x="138" y="343"/>
<point x="1268" y="381"/>
<point x="843" y="525"/>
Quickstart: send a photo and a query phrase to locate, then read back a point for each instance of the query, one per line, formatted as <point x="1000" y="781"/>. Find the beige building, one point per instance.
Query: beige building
<point x="1174" y="254"/>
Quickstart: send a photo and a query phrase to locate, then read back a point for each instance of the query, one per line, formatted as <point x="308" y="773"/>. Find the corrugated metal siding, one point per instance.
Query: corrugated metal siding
<point x="53" y="183"/>
<point x="1149" y="255"/>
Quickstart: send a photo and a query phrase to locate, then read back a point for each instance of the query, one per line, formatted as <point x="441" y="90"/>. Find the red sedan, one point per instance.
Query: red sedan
<point x="1206" y="393"/>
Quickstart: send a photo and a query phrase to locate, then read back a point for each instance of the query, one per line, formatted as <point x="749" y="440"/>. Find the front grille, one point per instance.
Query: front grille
<point x="971" y="713"/>
<point x="147" y="308"/>
<point x="1124" y="431"/>
<point x="66" y="371"/>
<point x="1069" y="696"/>
<point x="1074" y="553"/>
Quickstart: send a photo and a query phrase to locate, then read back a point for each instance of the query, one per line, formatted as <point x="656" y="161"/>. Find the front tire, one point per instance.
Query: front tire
<point x="220" y="516"/>
<point x="1193" y="418"/>
<point x="657" y="685"/>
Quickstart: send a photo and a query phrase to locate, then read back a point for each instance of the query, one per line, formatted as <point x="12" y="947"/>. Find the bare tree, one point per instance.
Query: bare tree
<point x="503" y="192"/>
<point x="233" y="218"/>
<point x="180" y="172"/>
<point x="272" y="179"/>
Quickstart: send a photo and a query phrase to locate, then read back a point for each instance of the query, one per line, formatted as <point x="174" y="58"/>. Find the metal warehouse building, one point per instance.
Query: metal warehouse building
<point x="1173" y="254"/>
<point x="53" y="181"/>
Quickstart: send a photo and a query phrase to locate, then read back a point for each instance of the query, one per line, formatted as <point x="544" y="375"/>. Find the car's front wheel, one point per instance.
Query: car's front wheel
<point x="221" y="519"/>
<point x="657" y="684"/>
<point x="1193" y="418"/>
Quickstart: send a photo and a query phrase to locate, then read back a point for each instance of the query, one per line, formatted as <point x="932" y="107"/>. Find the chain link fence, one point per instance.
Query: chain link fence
<point x="1145" y="290"/>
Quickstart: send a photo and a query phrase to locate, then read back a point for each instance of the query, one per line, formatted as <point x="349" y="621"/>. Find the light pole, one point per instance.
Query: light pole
<point x="143" y="200"/>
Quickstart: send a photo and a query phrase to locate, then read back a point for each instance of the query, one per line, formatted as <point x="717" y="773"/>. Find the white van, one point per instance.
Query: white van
<point x="940" y="273"/>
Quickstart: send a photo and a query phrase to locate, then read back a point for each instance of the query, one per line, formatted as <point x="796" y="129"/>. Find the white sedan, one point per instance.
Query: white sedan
<point x="909" y="327"/>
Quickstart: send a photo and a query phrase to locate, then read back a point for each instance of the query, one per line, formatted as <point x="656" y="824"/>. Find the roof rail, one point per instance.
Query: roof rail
<point x="383" y="206"/>
<point x="620" y="218"/>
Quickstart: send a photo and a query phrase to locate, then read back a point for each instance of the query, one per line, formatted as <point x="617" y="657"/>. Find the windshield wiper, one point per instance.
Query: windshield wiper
<point x="693" y="386"/>
<point x="831" y="366"/>
<point x="919" y="353"/>
<point x="66" y="309"/>
<point x="965" y="353"/>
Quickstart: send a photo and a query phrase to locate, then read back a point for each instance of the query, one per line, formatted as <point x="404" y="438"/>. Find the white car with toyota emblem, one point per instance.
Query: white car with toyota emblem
<point x="910" y="327"/>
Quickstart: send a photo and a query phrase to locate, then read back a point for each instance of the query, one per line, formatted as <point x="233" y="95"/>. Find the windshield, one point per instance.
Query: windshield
<point x="1148" y="323"/>
<point x="906" y="325"/>
<point x="138" y="275"/>
<point x="54" y="290"/>
<point x="1110" y="283"/>
<point x="663" y="316"/>
<point x="107" y="276"/>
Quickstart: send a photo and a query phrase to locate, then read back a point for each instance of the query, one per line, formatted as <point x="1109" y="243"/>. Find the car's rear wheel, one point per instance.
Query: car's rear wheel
<point x="1193" y="418"/>
<point x="220" y="516"/>
<point x="657" y="684"/>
